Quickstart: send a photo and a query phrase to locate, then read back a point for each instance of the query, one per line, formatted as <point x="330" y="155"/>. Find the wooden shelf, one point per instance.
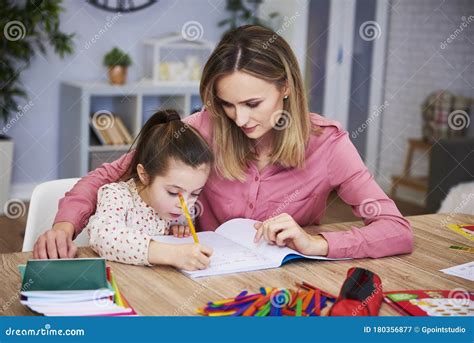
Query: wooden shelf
<point x="419" y="183"/>
<point x="104" y="148"/>
<point x="145" y="86"/>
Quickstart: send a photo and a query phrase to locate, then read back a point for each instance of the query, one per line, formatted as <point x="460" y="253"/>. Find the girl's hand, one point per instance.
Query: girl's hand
<point x="180" y="231"/>
<point x="192" y="257"/>
<point x="283" y="230"/>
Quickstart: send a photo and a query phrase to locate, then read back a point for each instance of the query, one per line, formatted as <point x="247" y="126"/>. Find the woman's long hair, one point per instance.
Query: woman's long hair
<point x="262" y="53"/>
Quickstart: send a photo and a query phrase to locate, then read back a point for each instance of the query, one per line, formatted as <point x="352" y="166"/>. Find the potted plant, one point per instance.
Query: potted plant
<point x="27" y="28"/>
<point x="117" y="61"/>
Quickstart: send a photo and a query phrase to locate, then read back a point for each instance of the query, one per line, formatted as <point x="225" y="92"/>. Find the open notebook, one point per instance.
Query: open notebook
<point x="235" y="251"/>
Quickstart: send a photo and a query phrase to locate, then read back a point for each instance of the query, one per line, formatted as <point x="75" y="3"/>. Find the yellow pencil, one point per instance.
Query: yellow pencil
<point x="188" y="217"/>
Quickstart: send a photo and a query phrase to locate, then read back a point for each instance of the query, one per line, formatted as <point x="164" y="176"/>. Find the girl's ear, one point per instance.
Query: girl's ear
<point x="143" y="175"/>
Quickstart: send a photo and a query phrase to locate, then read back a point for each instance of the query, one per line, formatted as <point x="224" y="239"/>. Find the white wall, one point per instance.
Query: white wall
<point x="292" y="24"/>
<point x="417" y="66"/>
<point x="35" y="133"/>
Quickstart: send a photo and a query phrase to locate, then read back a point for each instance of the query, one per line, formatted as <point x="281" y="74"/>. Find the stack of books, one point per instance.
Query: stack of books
<point x="111" y="131"/>
<point x="72" y="287"/>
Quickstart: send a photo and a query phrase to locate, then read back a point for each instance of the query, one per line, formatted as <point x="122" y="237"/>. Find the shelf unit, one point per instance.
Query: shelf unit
<point x="134" y="103"/>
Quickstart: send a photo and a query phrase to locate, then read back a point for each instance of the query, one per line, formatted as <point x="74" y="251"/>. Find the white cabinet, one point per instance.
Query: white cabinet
<point x="79" y="149"/>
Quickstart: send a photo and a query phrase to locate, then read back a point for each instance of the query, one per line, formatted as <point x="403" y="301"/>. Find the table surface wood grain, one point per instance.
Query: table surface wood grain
<point x="164" y="291"/>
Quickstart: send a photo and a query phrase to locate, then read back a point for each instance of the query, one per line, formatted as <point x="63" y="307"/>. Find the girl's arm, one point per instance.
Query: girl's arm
<point x="79" y="203"/>
<point x="112" y="237"/>
<point x="386" y="232"/>
<point x="109" y="234"/>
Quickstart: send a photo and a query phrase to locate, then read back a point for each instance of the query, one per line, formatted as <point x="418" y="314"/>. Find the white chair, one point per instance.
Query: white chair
<point x="43" y="207"/>
<point x="459" y="199"/>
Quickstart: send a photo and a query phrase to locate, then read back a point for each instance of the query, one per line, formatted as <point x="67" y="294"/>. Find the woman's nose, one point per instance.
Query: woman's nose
<point x="241" y="117"/>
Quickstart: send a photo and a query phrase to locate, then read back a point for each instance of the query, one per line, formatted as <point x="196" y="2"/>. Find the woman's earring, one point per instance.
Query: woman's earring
<point x="285" y="97"/>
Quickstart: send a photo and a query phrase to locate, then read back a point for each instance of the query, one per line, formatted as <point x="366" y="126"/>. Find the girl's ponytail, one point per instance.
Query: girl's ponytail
<point x="160" y="117"/>
<point x="165" y="136"/>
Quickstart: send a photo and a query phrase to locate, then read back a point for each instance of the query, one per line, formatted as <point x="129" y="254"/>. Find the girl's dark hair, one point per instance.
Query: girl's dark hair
<point x="163" y="137"/>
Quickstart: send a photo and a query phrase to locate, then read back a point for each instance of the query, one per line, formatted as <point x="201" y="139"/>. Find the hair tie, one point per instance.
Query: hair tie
<point x="172" y="117"/>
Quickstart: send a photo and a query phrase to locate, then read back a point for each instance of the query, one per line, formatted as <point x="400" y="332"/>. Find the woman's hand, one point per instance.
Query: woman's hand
<point x="186" y="256"/>
<point x="56" y="243"/>
<point x="283" y="230"/>
<point x="180" y="231"/>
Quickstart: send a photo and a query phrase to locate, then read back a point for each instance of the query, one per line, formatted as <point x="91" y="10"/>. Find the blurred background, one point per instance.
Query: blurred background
<point x="79" y="79"/>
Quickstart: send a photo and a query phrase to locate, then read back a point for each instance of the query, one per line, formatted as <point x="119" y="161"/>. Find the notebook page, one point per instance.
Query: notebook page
<point x="65" y="296"/>
<point x="227" y="257"/>
<point x="465" y="271"/>
<point x="94" y="307"/>
<point x="241" y="231"/>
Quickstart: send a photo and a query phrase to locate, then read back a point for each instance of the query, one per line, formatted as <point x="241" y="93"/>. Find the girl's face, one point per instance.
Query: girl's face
<point x="252" y="103"/>
<point x="162" y="193"/>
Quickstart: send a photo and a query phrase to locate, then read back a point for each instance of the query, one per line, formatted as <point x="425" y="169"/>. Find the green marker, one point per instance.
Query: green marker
<point x="463" y="248"/>
<point x="299" y="307"/>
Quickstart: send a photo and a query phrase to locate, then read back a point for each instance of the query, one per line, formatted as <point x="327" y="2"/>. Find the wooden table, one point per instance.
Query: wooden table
<point x="165" y="291"/>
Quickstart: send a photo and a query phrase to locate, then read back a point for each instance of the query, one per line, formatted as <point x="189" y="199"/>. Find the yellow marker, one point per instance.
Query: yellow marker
<point x="188" y="217"/>
<point x="458" y="229"/>
<point x="221" y="314"/>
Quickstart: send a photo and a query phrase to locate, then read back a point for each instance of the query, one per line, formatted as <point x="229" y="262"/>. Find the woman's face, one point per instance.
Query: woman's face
<point x="252" y="103"/>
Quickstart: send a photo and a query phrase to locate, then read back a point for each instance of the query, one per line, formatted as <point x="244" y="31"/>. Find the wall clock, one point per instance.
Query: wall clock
<point x="122" y="6"/>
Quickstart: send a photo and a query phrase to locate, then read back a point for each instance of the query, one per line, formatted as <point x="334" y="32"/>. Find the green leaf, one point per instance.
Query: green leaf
<point x="223" y="22"/>
<point x="41" y="21"/>
<point x="117" y="57"/>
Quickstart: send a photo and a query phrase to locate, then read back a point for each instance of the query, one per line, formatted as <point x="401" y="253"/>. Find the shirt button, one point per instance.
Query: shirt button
<point x="251" y="206"/>
<point x="256" y="178"/>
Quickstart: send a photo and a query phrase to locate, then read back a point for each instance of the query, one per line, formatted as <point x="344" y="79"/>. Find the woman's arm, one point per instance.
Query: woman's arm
<point x="80" y="202"/>
<point x="74" y="211"/>
<point x="386" y="232"/>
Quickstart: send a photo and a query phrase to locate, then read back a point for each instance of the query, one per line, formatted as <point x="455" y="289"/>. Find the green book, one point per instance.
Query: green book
<point x="65" y="275"/>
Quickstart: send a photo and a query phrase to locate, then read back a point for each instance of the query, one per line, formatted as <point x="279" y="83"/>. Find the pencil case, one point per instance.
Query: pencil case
<point x="361" y="294"/>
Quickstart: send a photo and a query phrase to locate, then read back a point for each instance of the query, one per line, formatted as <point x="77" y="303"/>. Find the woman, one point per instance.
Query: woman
<point x="275" y="161"/>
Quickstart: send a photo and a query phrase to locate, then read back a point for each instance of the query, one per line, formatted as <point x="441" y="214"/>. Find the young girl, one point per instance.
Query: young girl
<point x="170" y="158"/>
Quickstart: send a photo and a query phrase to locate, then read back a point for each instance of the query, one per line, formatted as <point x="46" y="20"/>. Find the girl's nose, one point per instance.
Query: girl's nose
<point x="187" y="200"/>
